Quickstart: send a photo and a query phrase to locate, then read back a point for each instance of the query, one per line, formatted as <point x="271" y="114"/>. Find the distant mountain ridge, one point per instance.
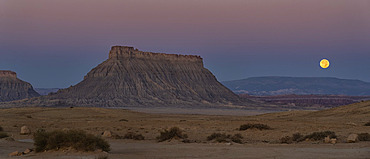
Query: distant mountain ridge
<point x="276" y="85"/>
<point x="46" y="91"/>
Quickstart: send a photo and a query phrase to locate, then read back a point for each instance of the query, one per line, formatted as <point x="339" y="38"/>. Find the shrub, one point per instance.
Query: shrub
<point x="131" y="135"/>
<point x="1" y="128"/>
<point x="237" y="138"/>
<point x="3" y="135"/>
<point x="364" y="137"/>
<point x="254" y="126"/>
<point x="320" y="135"/>
<point x="286" y="140"/>
<point x="298" y="137"/>
<point x="76" y="139"/>
<point x="367" y="124"/>
<point x="173" y="133"/>
<point x="218" y="137"/>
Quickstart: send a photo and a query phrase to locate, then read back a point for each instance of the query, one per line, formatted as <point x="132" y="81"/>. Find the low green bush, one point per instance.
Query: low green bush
<point x="173" y="133"/>
<point x="76" y="139"/>
<point x="254" y="126"/>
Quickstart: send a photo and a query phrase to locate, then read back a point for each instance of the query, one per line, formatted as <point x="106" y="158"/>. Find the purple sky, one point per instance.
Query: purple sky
<point x="55" y="43"/>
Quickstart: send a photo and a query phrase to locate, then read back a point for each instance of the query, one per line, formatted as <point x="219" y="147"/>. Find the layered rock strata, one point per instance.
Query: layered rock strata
<point x="12" y="88"/>
<point x="131" y="77"/>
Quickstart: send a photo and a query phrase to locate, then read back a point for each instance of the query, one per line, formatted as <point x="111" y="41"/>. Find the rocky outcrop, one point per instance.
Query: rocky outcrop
<point x="135" y="78"/>
<point x="352" y="138"/>
<point x="12" y="88"/>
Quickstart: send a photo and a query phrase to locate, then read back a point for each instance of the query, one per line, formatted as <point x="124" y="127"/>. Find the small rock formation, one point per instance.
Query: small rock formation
<point x="135" y="78"/>
<point x="25" y="130"/>
<point x="352" y="138"/>
<point x="107" y="134"/>
<point x="333" y="141"/>
<point x="327" y="139"/>
<point x="15" y="153"/>
<point x="27" y="151"/>
<point x="12" y="88"/>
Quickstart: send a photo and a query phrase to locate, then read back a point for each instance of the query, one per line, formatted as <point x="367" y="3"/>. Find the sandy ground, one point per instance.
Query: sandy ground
<point x="256" y="143"/>
<point x="153" y="150"/>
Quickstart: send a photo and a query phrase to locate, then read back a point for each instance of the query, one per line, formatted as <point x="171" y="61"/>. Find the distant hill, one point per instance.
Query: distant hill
<point x="274" y="85"/>
<point x="46" y="91"/>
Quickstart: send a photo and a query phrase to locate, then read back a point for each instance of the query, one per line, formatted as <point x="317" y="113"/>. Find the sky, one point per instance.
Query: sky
<point x="55" y="43"/>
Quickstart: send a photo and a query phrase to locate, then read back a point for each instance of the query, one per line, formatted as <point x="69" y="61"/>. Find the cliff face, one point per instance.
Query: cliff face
<point x="131" y="78"/>
<point x="12" y="88"/>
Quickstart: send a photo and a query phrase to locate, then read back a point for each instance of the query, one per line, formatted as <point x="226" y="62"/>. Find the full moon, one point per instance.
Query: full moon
<point x="324" y="63"/>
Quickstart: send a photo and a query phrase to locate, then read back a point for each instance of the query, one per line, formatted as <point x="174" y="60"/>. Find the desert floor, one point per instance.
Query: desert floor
<point x="256" y="143"/>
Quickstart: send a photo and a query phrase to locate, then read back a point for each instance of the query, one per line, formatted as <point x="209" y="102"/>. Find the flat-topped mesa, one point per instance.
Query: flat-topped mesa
<point x="5" y="73"/>
<point x="127" y="52"/>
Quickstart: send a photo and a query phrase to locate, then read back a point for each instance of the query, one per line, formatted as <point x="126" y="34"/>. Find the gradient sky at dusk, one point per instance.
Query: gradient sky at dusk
<point x="54" y="43"/>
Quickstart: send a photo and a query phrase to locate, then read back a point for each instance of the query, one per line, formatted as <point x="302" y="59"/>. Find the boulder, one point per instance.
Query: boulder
<point x="25" y="130"/>
<point x="327" y="139"/>
<point x="15" y="153"/>
<point x="27" y="151"/>
<point x="107" y="134"/>
<point x="352" y="138"/>
<point x="333" y="141"/>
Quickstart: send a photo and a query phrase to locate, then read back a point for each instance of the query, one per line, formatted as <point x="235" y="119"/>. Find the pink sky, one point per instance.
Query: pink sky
<point x="215" y="29"/>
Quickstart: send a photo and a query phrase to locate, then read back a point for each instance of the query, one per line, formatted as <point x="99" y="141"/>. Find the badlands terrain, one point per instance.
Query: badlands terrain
<point x="255" y="143"/>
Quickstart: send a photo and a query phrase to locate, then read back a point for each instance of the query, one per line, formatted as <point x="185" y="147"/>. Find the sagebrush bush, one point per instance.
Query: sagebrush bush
<point x="173" y="133"/>
<point x="298" y="137"/>
<point x="76" y="139"/>
<point x="218" y="137"/>
<point x="237" y="138"/>
<point x="134" y="136"/>
<point x="254" y="126"/>
<point x="286" y="140"/>
<point x="364" y="137"/>
<point x="367" y="124"/>
<point x="3" y="135"/>
<point x="320" y="135"/>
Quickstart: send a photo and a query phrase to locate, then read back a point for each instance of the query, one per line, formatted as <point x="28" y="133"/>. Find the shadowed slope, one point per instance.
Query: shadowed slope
<point x="12" y="88"/>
